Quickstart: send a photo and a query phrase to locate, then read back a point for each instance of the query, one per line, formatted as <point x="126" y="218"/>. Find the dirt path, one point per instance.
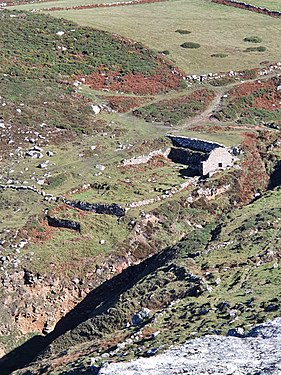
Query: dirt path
<point x="215" y="104"/>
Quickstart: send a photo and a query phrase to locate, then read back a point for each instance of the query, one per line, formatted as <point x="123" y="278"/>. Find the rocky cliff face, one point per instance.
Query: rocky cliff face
<point x="258" y="352"/>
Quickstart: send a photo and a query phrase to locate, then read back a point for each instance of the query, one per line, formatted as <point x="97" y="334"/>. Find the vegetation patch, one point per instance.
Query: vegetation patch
<point x="124" y="103"/>
<point x="255" y="49"/>
<point x="57" y="49"/>
<point x="183" y="32"/>
<point x="172" y="111"/>
<point x="253" y="39"/>
<point x="221" y="55"/>
<point x="252" y="101"/>
<point x="190" y="45"/>
<point x="165" y="52"/>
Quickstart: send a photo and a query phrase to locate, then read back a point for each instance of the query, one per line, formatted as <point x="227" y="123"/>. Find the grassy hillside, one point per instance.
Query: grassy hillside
<point x="216" y="279"/>
<point x="219" y="31"/>
<point x="184" y="249"/>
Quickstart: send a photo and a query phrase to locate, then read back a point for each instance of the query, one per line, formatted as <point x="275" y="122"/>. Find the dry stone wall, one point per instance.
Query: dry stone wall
<point x="63" y="223"/>
<point x="247" y="6"/>
<point x="99" y="208"/>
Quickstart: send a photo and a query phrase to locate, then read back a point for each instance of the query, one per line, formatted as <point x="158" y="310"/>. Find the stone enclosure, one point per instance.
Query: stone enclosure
<point x="202" y="157"/>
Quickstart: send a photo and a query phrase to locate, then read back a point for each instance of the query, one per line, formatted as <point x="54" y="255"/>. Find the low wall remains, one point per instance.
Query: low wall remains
<point x="98" y="208"/>
<point x="63" y="223"/>
<point x="142" y="159"/>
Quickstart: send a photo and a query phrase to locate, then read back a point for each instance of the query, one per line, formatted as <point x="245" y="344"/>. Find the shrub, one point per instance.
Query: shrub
<point x="190" y="45"/>
<point x="221" y="55"/>
<point x="183" y="84"/>
<point x="255" y="49"/>
<point x="165" y="52"/>
<point x="183" y="32"/>
<point x="253" y="39"/>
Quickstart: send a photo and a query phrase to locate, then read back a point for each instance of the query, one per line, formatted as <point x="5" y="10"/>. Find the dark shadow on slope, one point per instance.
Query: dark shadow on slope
<point x="189" y="172"/>
<point x="275" y="178"/>
<point x="102" y="298"/>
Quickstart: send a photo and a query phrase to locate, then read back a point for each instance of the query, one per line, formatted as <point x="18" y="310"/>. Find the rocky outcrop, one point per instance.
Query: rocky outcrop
<point x="258" y="352"/>
<point x="247" y="6"/>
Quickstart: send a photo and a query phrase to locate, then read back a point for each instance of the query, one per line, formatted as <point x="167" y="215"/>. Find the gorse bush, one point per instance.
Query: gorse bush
<point x="190" y="45"/>
<point x="183" y="32"/>
<point x="253" y="39"/>
<point x="255" y="49"/>
<point x="221" y="55"/>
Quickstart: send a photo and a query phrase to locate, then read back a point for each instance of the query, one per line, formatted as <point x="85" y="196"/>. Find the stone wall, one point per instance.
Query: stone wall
<point x="247" y="6"/>
<point x="220" y="158"/>
<point x="142" y="159"/>
<point x="98" y="208"/>
<point x="63" y="223"/>
<point x="194" y="143"/>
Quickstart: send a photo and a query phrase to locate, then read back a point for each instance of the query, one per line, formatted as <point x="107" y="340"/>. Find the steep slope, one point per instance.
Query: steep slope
<point x="214" y="280"/>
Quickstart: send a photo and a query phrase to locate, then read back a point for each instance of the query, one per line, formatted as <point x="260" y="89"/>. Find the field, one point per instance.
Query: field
<point x="269" y="4"/>
<point x="218" y="29"/>
<point x="62" y="3"/>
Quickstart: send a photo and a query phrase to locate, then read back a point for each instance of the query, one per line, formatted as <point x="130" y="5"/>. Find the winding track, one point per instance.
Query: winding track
<point x="214" y="105"/>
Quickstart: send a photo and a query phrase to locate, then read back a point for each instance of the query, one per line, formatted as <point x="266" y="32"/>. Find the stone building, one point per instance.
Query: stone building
<point x="202" y="157"/>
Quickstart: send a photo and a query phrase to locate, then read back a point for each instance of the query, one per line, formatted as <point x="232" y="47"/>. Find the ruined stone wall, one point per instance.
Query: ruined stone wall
<point x="194" y="143"/>
<point x="142" y="159"/>
<point x="220" y="158"/>
<point x="63" y="223"/>
<point x="98" y="208"/>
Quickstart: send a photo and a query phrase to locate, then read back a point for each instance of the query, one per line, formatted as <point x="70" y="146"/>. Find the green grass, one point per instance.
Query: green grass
<point x="229" y="279"/>
<point x="216" y="28"/>
<point x="177" y="109"/>
<point x="60" y="3"/>
<point x="34" y="44"/>
<point x="68" y="248"/>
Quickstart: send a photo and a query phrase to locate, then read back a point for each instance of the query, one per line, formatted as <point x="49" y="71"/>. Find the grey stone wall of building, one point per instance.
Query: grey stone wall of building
<point x="194" y="143"/>
<point x="219" y="158"/>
